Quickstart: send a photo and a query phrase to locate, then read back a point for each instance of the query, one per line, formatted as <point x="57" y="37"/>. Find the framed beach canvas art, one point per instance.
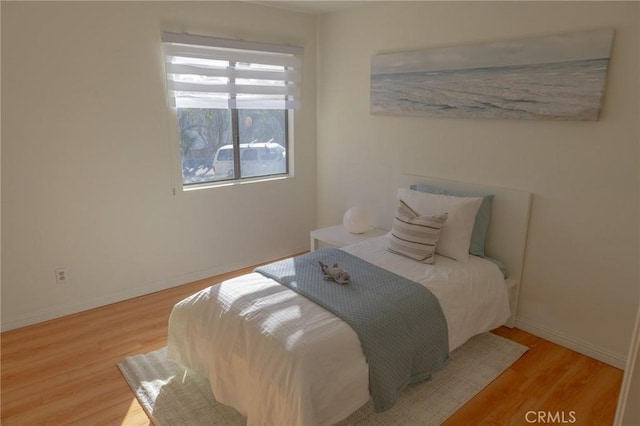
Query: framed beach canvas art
<point x="557" y="77"/>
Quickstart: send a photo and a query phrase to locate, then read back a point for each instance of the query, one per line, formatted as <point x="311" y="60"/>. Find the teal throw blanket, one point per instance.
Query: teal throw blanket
<point x="400" y="323"/>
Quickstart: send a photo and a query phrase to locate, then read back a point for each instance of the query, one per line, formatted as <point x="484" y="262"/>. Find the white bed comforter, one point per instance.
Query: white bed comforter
<point x="280" y="359"/>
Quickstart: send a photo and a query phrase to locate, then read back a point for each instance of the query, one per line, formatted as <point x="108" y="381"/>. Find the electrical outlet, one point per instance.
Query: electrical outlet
<point x="62" y="276"/>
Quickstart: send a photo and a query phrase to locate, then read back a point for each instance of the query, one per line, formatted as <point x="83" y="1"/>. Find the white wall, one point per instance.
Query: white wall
<point x="580" y="284"/>
<point x="86" y="157"/>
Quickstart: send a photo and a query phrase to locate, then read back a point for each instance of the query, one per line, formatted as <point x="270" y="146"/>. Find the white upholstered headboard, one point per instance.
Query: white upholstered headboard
<point x="507" y="233"/>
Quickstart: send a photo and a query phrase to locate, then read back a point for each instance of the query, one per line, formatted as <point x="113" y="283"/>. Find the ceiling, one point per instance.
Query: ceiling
<point x="312" y="7"/>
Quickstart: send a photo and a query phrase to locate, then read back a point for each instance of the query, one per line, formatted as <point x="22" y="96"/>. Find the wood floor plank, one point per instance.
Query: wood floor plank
<point x="63" y="372"/>
<point x="548" y="378"/>
<point x="129" y="410"/>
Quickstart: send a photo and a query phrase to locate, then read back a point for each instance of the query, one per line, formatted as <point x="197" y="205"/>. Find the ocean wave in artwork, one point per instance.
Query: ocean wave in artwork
<point x="553" y="91"/>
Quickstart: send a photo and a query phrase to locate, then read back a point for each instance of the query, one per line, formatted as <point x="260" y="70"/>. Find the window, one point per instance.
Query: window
<point x="233" y="100"/>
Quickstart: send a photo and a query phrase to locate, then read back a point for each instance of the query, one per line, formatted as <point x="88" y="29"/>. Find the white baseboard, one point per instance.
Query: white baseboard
<point x="69" y="309"/>
<point x="608" y="357"/>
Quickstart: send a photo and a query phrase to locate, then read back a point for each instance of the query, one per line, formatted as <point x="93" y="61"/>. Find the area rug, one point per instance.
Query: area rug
<point x="172" y="396"/>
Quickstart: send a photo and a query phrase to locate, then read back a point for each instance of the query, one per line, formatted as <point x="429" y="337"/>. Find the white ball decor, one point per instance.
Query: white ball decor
<point x="356" y="220"/>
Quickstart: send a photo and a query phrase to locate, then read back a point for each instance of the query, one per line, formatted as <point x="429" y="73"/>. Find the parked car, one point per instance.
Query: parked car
<point x="256" y="159"/>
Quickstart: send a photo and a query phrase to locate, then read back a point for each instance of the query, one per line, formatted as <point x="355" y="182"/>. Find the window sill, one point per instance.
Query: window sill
<point x="245" y="181"/>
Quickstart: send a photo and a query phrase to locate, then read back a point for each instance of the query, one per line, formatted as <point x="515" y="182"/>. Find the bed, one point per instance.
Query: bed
<point x="279" y="358"/>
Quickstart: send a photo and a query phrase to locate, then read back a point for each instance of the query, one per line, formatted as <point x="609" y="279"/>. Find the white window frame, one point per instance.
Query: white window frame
<point x="287" y="95"/>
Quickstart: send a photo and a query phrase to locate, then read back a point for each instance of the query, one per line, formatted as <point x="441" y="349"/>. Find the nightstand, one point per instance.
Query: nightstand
<point x="338" y="236"/>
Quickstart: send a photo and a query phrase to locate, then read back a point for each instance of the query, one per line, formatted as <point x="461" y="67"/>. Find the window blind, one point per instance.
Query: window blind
<point x="208" y="72"/>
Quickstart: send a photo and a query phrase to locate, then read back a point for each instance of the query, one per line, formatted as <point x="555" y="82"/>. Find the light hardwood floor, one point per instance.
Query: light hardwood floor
<point x="64" y="371"/>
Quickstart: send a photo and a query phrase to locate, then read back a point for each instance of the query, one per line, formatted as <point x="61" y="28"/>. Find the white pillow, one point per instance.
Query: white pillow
<point x="455" y="236"/>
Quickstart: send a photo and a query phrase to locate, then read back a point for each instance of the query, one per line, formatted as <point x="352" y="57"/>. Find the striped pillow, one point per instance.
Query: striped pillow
<point x="413" y="235"/>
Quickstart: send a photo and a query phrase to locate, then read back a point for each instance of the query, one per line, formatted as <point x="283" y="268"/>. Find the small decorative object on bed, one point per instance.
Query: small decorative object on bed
<point x="556" y="77"/>
<point x="356" y="220"/>
<point x="334" y="273"/>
